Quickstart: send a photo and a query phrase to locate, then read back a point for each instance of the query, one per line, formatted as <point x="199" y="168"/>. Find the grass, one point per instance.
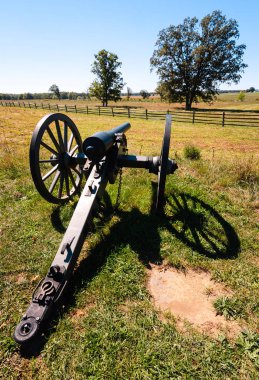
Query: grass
<point x="108" y="327"/>
<point x="192" y="153"/>
<point x="228" y="307"/>
<point x="223" y="101"/>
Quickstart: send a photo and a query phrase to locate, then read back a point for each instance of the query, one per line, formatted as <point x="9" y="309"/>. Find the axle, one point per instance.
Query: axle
<point x="146" y="162"/>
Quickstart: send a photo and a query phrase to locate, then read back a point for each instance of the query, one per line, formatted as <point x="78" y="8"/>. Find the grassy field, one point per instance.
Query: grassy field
<point x="223" y="101"/>
<point x="108" y="327"/>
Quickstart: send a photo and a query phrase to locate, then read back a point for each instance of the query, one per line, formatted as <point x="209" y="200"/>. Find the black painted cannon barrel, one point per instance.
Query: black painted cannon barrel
<point x="96" y="146"/>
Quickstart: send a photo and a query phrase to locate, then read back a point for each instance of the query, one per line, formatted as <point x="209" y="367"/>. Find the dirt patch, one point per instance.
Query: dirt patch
<point x="77" y="314"/>
<point x="189" y="296"/>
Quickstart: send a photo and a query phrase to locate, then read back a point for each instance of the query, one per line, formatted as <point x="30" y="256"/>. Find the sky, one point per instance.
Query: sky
<point x="45" y="42"/>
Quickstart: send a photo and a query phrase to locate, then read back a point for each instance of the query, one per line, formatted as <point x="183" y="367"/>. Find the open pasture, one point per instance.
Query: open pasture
<point x="108" y="326"/>
<point x="223" y="101"/>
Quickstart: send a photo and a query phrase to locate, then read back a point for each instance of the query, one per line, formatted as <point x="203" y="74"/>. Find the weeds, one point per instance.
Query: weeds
<point x="192" y="153"/>
<point x="228" y="307"/>
<point x="249" y="344"/>
<point x="245" y="172"/>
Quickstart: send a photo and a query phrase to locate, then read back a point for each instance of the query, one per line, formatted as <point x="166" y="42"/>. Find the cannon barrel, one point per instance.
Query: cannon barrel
<point x="97" y="145"/>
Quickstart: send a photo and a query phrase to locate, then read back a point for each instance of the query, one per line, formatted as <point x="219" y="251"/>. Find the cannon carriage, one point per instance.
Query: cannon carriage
<point x="59" y="160"/>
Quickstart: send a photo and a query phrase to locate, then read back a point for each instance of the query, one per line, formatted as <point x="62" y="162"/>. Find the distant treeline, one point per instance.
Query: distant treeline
<point x="44" y="95"/>
<point x="48" y="95"/>
<point x="78" y="95"/>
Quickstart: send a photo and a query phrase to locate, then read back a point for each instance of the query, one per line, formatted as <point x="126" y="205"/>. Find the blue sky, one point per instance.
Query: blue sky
<point x="54" y="41"/>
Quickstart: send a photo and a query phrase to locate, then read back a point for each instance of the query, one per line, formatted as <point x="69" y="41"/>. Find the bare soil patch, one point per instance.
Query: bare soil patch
<point x="189" y="297"/>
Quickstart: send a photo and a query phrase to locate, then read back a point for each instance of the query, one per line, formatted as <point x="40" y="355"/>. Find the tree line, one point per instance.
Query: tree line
<point x="191" y="60"/>
<point x="67" y="95"/>
<point x="44" y="95"/>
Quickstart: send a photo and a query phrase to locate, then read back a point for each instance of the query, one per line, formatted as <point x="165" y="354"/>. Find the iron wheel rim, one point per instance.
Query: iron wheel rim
<point x="162" y="172"/>
<point x="56" y="139"/>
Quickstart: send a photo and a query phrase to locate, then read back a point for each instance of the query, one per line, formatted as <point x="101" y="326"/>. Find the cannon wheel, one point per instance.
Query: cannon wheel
<point x="162" y="172"/>
<point x="55" y="141"/>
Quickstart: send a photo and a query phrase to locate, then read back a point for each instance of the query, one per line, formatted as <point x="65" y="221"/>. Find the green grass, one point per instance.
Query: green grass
<point x="108" y="327"/>
<point x="192" y="153"/>
<point x="228" y="307"/>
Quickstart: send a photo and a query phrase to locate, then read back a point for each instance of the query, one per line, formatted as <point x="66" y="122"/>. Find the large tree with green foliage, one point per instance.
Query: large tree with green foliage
<point x="54" y="88"/>
<point x="193" y="58"/>
<point x="109" y="83"/>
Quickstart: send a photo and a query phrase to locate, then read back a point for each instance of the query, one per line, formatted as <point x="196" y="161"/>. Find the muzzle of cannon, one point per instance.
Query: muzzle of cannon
<point x="59" y="160"/>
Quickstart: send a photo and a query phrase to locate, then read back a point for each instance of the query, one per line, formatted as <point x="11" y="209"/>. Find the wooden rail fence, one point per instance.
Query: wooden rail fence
<point x="217" y="117"/>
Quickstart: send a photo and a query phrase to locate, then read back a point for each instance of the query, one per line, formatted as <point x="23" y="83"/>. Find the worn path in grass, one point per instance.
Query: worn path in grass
<point x="108" y="321"/>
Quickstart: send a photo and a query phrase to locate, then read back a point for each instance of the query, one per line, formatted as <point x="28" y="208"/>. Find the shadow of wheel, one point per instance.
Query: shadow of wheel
<point x="200" y="226"/>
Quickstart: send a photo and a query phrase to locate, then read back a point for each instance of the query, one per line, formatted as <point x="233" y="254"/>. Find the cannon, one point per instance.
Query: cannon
<point x="59" y="160"/>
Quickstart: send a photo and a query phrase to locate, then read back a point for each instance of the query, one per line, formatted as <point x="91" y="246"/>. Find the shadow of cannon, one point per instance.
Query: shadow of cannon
<point x="195" y="223"/>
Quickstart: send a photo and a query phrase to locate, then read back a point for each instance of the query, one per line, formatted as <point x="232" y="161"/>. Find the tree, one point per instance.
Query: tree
<point x="163" y="92"/>
<point x="87" y="95"/>
<point x="54" y="88"/>
<point x="109" y="83"/>
<point x="27" y="96"/>
<point x="241" y="96"/>
<point x="192" y="59"/>
<point x="250" y="89"/>
<point x="145" y="94"/>
<point x="129" y="93"/>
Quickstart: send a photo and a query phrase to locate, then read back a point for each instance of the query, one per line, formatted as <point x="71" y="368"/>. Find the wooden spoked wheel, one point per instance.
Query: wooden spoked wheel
<point x="163" y="167"/>
<point x="54" y="145"/>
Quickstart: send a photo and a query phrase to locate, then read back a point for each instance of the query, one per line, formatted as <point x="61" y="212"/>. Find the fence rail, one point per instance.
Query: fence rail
<point x="218" y="117"/>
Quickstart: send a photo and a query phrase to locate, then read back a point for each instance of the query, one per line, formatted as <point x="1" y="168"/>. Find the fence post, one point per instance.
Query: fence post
<point x="193" y="117"/>
<point x="35" y="105"/>
<point x="57" y="108"/>
<point x="223" y="119"/>
<point x="129" y="112"/>
<point x="99" y="111"/>
<point x="146" y="114"/>
<point x="49" y="106"/>
<point x="29" y="104"/>
<point x="112" y="111"/>
<point x="66" y="107"/>
<point x="87" y="110"/>
<point x="75" y="108"/>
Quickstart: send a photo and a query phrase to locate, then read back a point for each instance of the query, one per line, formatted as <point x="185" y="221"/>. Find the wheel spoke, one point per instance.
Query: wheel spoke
<point x="53" y="138"/>
<point x="73" y="150"/>
<point x="70" y="142"/>
<point x="60" y="139"/>
<point x="65" y="135"/>
<point x="49" y="148"/>
<point x="47" y="175"/>
<point x="67" y="183"/>
<point x="71" y="177"/>
<point x="54" y="182"/>
<point x="60" y="189"/>
<point x="77" y="171"/>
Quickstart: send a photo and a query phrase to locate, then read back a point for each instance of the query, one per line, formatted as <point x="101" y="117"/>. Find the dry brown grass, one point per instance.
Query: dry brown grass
<point x="223" y="101"/>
